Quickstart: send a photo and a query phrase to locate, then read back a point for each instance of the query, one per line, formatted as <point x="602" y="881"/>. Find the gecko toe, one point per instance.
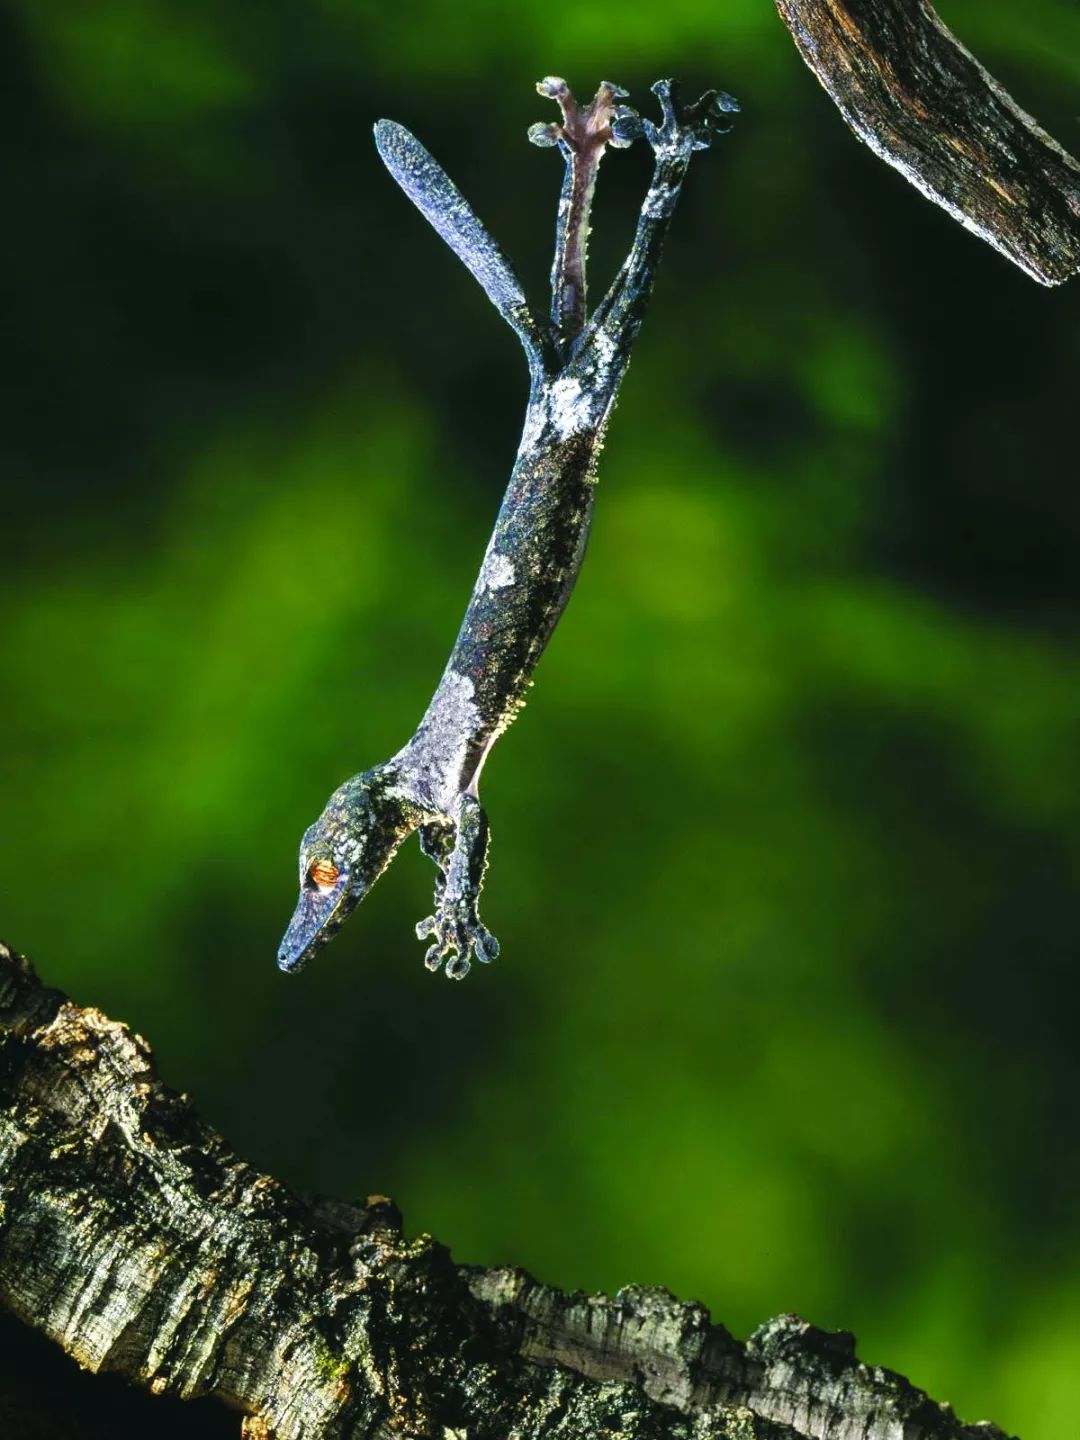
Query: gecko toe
<point x="458" y="939"/>
<point x="485" y="946"/>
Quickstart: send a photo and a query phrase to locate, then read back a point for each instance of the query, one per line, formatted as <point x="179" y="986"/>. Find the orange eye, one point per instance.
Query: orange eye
<point x="324" y="873"/>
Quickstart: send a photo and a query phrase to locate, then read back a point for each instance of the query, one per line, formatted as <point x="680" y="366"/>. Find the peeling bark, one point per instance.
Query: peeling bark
<point x="922" y="102"/>
<point x="135" y="1238"/>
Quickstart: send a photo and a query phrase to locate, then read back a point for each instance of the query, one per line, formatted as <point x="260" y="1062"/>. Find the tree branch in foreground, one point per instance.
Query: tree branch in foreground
<point x="134" y="1237"/>
<point x="923" y="103"/>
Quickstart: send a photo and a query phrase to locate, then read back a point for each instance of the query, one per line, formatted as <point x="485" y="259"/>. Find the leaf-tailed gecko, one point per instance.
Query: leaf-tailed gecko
<point x="575" y="365"/>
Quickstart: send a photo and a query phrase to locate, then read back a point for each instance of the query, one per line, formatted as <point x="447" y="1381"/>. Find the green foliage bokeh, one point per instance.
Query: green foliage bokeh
<point x="786" y="850"/>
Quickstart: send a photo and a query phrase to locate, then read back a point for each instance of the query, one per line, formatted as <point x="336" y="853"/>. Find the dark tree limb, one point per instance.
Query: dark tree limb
<point x="923" y="103"/>
<point x="135" y="1238"/>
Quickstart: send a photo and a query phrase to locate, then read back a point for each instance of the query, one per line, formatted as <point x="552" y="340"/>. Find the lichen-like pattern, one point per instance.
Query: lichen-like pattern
<point x="538" y="543"/>
<point x="135" y="1237"/>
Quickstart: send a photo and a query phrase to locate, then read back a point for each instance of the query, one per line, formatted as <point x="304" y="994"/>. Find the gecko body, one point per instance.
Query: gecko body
<point x="538" y="543"/>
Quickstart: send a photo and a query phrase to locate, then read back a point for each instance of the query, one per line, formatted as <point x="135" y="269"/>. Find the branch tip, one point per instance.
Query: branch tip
<point x="911" y="90"/>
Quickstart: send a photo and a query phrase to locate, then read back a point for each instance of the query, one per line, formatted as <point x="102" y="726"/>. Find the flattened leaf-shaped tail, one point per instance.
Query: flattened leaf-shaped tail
<point x="439" y="200"/>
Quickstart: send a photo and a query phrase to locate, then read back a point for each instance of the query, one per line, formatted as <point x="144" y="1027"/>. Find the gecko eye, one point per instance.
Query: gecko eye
<point x="323" y="873"/>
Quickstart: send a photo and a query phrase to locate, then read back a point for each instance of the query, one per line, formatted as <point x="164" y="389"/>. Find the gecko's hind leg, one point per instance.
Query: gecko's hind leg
<point x="460" y="853"/>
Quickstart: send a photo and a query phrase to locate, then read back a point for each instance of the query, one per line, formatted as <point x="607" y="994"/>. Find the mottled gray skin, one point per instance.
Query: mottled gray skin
<point x="538" y="543"/>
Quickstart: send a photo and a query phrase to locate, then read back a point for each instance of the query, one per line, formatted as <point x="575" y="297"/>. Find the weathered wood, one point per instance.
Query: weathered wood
<point x="134" y="1237"/>
<point x="908" y="88"/>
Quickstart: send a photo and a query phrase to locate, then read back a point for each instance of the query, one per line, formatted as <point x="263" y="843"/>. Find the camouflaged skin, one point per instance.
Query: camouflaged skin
<point x="538" y="543"/>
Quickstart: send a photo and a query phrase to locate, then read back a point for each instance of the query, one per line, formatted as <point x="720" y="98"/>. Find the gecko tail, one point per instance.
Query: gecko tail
<point x="442" y="204"/>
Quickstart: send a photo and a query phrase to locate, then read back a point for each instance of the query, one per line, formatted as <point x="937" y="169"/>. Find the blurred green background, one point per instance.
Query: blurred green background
<point x="786" y="864"/>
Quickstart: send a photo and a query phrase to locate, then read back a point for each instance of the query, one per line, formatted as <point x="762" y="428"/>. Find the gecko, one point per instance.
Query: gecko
<point x="576" y="362"/>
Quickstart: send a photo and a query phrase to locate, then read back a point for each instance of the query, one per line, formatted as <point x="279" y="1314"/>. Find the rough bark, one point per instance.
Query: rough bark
<point x="923" y="103"/>
<point x="135" y="1238"/>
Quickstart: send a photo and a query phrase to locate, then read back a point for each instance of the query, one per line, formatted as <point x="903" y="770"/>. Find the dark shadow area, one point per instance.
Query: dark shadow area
<point x="45" y="1396"/>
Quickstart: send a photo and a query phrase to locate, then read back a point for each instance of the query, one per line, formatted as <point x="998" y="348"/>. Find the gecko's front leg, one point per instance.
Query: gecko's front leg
<point x="459" y="850"/>
<point x="437" y="843"/>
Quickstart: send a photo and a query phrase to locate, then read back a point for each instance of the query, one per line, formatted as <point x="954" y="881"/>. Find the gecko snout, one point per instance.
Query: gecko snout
<point x="341" y="857"/>
<point x="318" y="916"/>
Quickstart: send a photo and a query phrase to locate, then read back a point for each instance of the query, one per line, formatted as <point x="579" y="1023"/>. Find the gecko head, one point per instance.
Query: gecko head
<point x="341" y="857"/>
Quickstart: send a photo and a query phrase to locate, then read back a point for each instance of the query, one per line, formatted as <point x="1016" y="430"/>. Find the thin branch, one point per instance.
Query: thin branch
<point x="923" y="103"/>
<point x="133" y="1236"/>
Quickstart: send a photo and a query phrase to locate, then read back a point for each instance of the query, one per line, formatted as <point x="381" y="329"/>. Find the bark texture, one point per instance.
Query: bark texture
<point x="135" y="1238"/>
<point x="923" y="103"/>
